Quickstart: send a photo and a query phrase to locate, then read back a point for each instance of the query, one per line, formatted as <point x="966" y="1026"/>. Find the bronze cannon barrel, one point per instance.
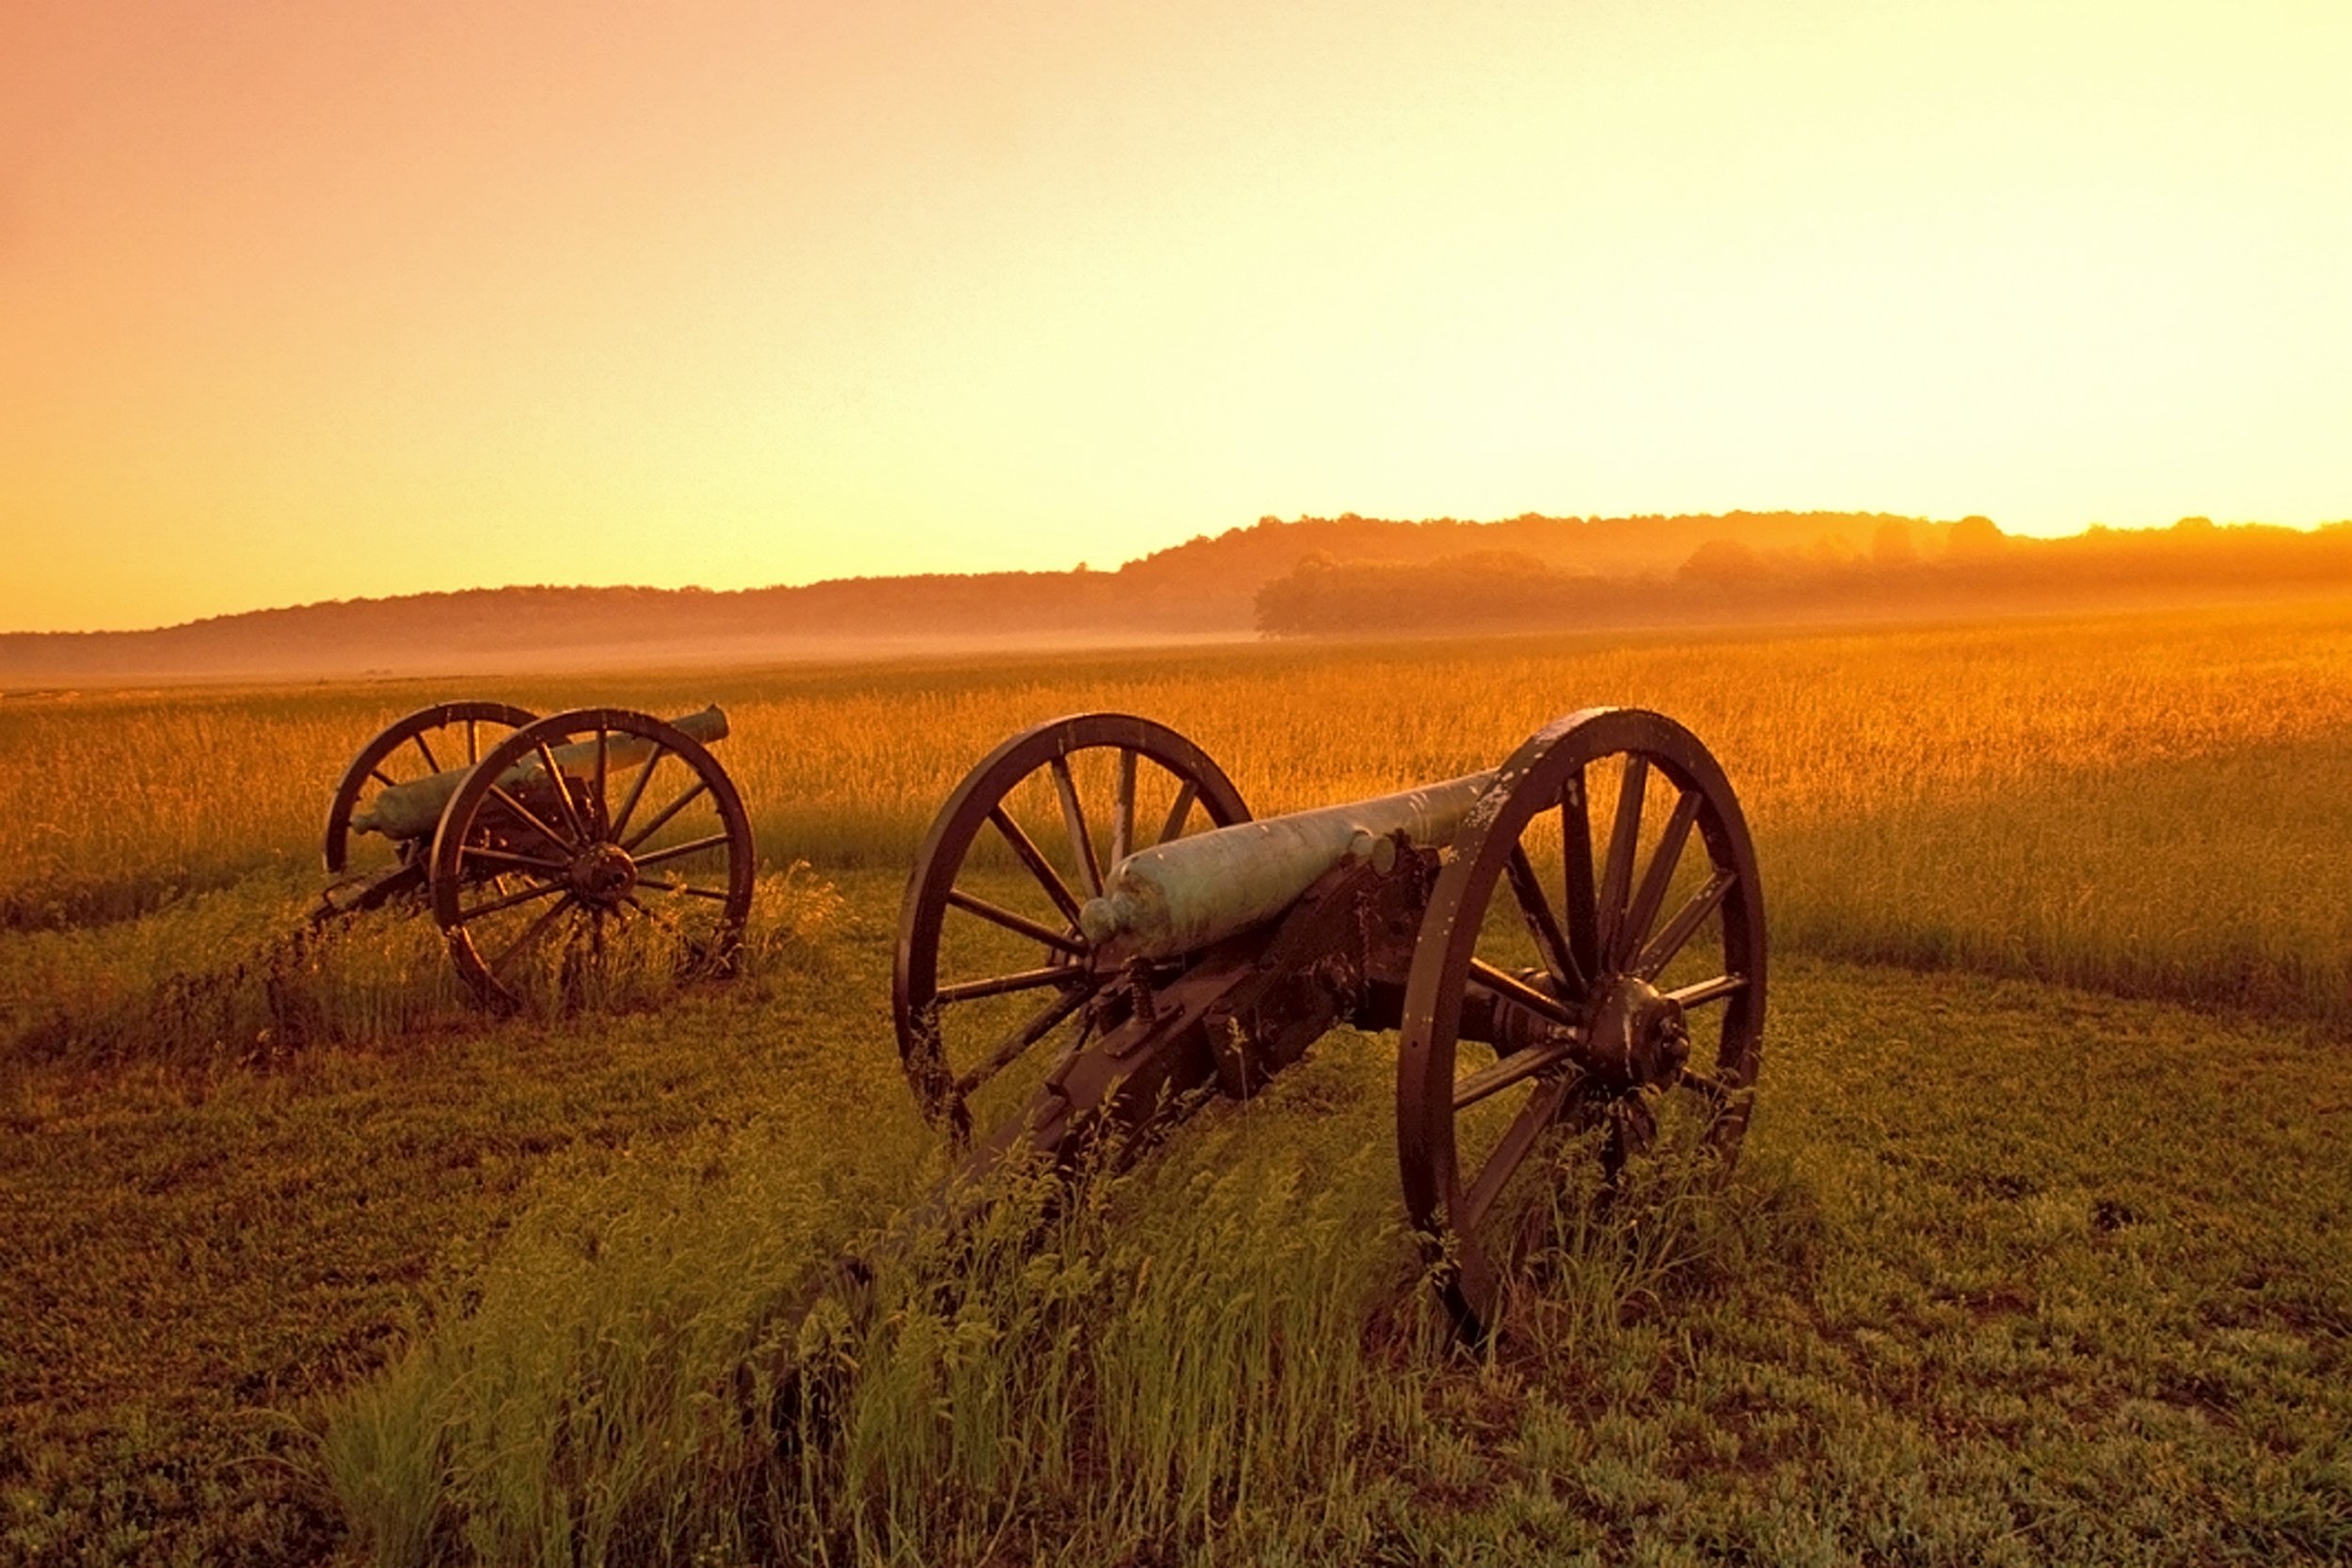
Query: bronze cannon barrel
<point x="412" y="810"/>
<point x="1179" y="897"/>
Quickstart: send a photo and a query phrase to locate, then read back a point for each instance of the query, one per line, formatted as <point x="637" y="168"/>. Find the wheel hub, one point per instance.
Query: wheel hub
<point x="603" y="874"/>
<point x="1637" y="1035"/>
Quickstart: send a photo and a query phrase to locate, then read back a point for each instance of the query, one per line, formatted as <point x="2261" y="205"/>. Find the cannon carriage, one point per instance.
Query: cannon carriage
<point x="1570" y="950"/>
<point x="587" y="839"/>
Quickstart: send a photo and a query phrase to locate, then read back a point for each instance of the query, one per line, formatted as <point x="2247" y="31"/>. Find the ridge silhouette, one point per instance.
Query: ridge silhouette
<point x="1311" y="576"/>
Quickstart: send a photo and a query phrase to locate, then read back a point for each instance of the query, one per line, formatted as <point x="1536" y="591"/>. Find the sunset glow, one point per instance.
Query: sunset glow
<point x="317" y="301"/>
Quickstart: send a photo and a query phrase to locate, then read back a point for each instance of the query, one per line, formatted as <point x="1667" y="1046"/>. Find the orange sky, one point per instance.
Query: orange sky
<point x="305" y="300"/>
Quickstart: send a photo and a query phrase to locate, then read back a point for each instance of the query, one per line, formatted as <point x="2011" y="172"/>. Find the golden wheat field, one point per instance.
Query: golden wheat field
<point x="2036" y="1253"/>
<point x="2152" y="806"/>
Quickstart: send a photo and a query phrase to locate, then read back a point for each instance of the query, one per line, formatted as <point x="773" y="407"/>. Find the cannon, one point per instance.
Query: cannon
<point x="581" y="837"/>
<point x="1097" y="936"/>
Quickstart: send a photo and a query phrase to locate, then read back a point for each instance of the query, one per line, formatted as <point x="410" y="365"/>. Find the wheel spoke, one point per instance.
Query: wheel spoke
<point x="1632" y="1128"/>
<point x="662" y="884"/>
<point x="503" y="857"/>
<point x="1179" y="809"/>
<point x="1074" y="816"/>
<point x="1618" y="875"/>
<point x="431" y="766"/>
<point x="1582" y="909"/>
<point x="1511" y="1150"/>
<point x="554" y="776"/>
<point x="1707" y="990"/>
<point x="1541" y="924"/>
<point x="1039" y="1026"/>
<point x="596" y="796"/>
<point x="1656" y="878"/>
<point x="679" y="851"/>
<point x="1669" y="941"/>
<point x="538" y="928"/>
<point x="636" y="790"/>
<point x="383" y="778"/>
<point x="1123" y="809"/>
<point x="1517" y="991"/>
<point x="999" y="915"/>
<point x="702" y="788"/>
<point x="531" y="819"/>
<point x="1705" y="1087"/>
<point x="1504" y="1072"/>
<point x="538" y="890"/>
<point x="1039" y="868"/>
<point x="473" y="744"/>
<point x="1028" y="979"/>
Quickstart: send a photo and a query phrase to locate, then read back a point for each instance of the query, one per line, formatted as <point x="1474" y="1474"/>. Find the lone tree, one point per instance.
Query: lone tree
<point x="1891" y="545"/>
<point x="1722" y="562"/>
<point x="1976" y="539"/>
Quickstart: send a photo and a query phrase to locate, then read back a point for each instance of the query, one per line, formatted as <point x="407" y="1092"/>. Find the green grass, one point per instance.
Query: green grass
<point x="2009" y="1273"/>
<point x="1908" y="1331"/>
<point x="207" y="1238"/>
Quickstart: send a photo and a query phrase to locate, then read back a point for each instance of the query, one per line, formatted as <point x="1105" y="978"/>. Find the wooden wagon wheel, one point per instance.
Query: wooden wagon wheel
<point x="1017" y="849"/>
<point x="595" y="839"/>
<point x="445" y="735"/>
<point x="1612" y="949"/>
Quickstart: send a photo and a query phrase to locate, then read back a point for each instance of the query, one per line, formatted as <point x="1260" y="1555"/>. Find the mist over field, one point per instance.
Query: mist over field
<point x="1345" y="577"/>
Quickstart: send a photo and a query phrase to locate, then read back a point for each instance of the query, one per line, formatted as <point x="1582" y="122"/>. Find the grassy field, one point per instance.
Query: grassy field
<point x="2150" y="805"/>
<point x="2038" y="1252"/>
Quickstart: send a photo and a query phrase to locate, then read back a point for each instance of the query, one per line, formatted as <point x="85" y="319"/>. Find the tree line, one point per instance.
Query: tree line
<point x="1967" y="566"/>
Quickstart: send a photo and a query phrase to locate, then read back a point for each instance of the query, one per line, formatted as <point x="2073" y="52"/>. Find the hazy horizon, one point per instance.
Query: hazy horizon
<point x="981" y="571"/>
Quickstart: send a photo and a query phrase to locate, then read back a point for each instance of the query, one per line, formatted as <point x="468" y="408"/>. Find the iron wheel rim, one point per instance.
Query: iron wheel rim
<point x="1452" y="1215"/>
<point x="918" y="1001"/>
<point x="478" y="842"/>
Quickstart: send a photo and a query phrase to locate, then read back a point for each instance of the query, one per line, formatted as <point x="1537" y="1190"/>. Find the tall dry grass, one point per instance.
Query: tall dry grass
<point x="2151" y="803"/>
<point x="240" y="976"/>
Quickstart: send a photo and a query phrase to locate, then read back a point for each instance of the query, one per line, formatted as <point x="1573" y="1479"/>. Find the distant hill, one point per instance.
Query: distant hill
<point x="1224" y="574"/>
<point x="1243" y="580"/>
